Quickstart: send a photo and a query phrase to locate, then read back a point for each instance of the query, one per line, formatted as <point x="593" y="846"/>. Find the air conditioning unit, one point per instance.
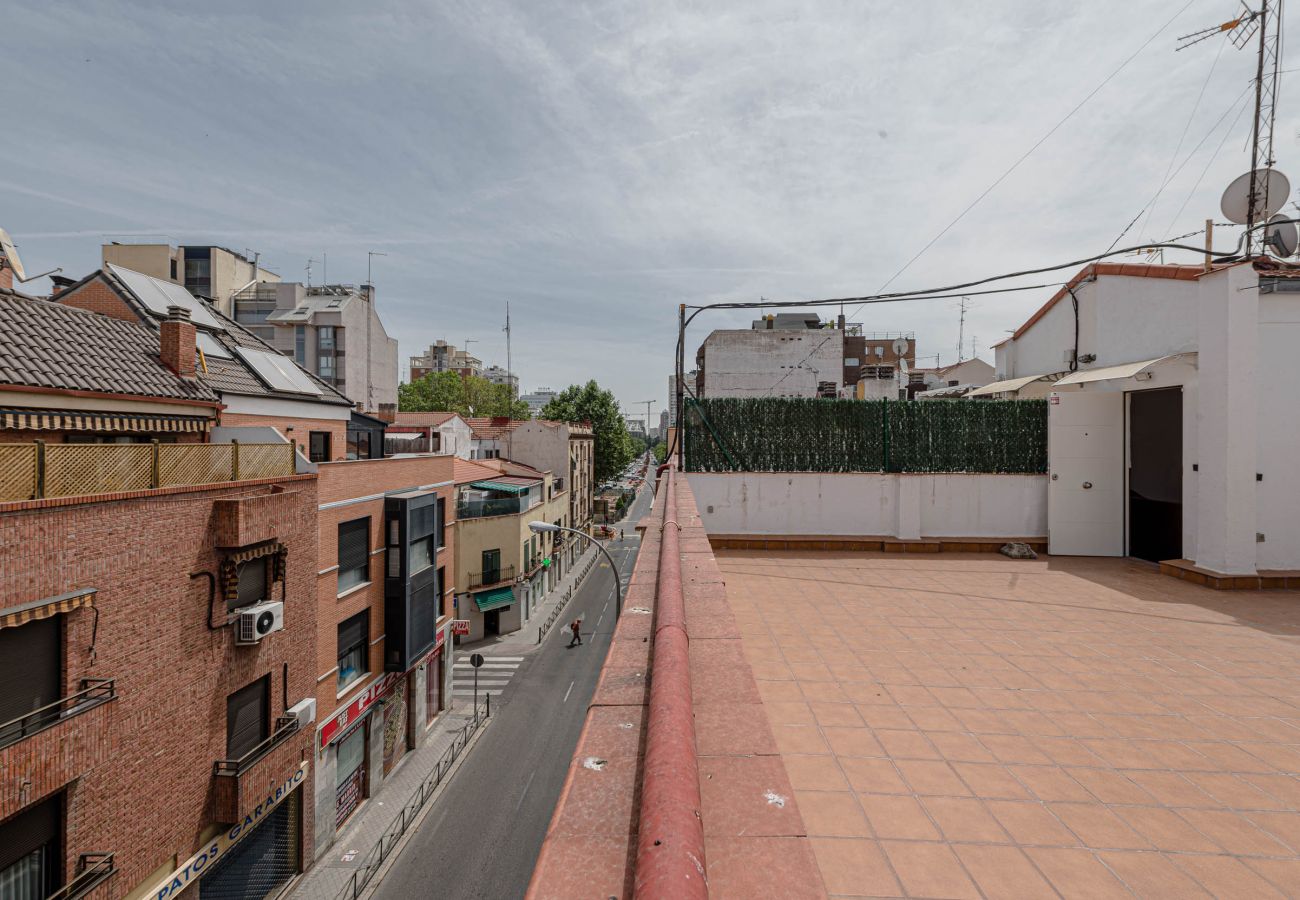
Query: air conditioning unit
<point x="257" y="621"/>
<point x="304" y="712"/>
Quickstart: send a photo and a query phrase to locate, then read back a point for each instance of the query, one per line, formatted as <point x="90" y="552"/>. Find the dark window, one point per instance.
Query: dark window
<point x="252" y="583"/>
<point x="354" y="648"/>
<point x="300" y="344"/>
<point x="30" y="862"/>
<point x="491" y="566"/>
<point x="953" y="383"/>
<point x="319" y="450"/>
<point x="442" y="522"/>
<point x="30" y="677"/>
<point x="354" y="553"/>
<point x="425" y="609"/>
<point x="248" y="714"/>
<point x="365" y="443"/>
<point x="325" y="337"/>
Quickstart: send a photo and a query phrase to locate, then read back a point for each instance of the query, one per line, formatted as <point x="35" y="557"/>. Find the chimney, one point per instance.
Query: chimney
<point x="61" y="283"/>
<point x="177" y="340"/>
<point x="387" y="412"/>
<point x="368" y="293"/>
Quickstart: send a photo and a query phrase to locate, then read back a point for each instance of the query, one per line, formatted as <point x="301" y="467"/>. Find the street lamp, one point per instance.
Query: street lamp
<point x="545" y="527"/>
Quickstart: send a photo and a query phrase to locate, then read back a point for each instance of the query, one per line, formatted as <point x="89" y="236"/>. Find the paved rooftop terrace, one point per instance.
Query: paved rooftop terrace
<point x="966" y="725"/>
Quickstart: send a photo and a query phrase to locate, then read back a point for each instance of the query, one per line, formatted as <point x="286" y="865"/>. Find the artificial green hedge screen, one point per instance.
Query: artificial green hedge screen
<point x="777" y="434"/>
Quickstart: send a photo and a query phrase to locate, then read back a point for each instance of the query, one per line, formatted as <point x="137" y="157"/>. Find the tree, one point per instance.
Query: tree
<point x="614" y="447"/>
<point x="661" y="452"/>
<point x="467" y="395"/>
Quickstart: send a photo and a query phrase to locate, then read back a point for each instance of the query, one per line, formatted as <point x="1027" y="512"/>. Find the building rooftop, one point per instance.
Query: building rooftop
<point x="425" y="418"/>
<point x="947" y="725"/>
<point x="465" y="471"/>
<point x="486" y="429"/>
<point x="47" y="345"/>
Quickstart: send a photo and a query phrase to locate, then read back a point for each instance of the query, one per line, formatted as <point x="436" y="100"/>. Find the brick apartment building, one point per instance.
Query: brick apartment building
<point x="384" y="589"/>
<point x="157" y="621"/>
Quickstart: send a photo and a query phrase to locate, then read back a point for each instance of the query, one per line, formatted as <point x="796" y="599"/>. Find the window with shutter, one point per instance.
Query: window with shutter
<point x="354" y="553"/>
<point x="30" y="672"/>
<point x="248" y="715"/>
<point x="354" y="645"/>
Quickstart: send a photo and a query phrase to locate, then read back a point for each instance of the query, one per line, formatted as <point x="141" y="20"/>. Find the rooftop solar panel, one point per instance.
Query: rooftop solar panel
<point x="212" y="347"/>
<point x="157" y="295"/>
<point x="279" y="372"/>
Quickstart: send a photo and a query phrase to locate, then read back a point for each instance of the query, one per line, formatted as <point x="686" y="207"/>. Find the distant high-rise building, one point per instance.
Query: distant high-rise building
<point x="444" y="357"/>
<point x="538" y="399"/>
<point x="498" y="375"/>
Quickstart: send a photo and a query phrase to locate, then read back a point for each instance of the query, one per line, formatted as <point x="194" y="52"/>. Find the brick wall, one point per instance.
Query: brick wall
<point x="347" y="481"/>
<point x="295" y="429"/>
<point x="97" y="297"/>
<point x="150" y="796"/>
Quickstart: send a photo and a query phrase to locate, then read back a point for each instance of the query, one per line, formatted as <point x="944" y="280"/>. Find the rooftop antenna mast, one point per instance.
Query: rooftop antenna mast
<point x="310" y="261"/>
<point x="1260" y="182"/>
<point x="510" y="381"/>
<point x="963" y="305"/>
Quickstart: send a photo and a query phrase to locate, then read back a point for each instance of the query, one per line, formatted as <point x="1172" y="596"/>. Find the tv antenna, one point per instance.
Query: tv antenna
<point x="1252" y="197"/>
<point x="963" y="304"/>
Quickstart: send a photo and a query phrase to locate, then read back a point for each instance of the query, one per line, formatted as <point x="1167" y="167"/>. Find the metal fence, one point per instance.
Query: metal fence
<point x="807" y="435"/>
<point x="544" y="629"/>
<point x="392" y="836"/>
<point x="39" y="469"/>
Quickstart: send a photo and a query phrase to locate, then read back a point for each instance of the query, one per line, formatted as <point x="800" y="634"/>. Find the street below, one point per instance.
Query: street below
<point x="482" y="835"/>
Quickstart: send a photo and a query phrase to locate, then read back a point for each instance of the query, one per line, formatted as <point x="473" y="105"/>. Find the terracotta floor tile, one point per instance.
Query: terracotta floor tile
<point x="906" y="744"/>
<point x="1151" y="875"/>
<point x="1078" y="874"/>
<point x="954" y="746"/>
<point x="1008" y="748"/>
<point x="1098" y="827"/>
<point x="1166" y="830"/>
<point x="741" y="868"/>
<point x="1066" y="751"/>
<point x="964" y="819"/>
<point x="1051" y="783"/>
<point x="933" y="718"/>
<point x="929" y="870"/>
<point x="1226" y="878"/>
<point x="1233" y="832"/>
<point x="789" y="713"/>
<point x="1003" y="872"/>
<point x="991" y="781"/>
<point x="1284" y="787"/>
<point x="860" y="741"/>
<point x="799" y="739"/>
<point x="930" y="777"/>
<point x="900" y="817"/>
<point x="1109" y="786"/>
<point x="1120" y="753"/>
<point x="1031" y="823"/>
<point x="854" y="866"/>
<point x="873" y="776"/>
<point x="836" y="714"/>
<point x="1284" y="826"/>
<point x="779" y="692"/>
<point x="1171" y="789"/>
<point x="832" y="814"/>
<point x="1233" y="792"/>
<point x="1283" y="874"/>
<point x="814" y="773"/>
<point x="890" y="716"/>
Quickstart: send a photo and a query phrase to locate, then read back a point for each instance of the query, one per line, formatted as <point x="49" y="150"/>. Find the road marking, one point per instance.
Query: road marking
<point x="566" y="696"/>
<point x="601" y="616"/>
<point x="527" y="785"/>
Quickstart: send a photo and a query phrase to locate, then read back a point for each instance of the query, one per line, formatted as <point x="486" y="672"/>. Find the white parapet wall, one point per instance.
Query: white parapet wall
<point x="873" y="504"/>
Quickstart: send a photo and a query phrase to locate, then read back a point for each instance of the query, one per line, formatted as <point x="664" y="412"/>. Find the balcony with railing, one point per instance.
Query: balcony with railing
<point x="491" y="506"/>
<point x="93" y="869"/>
<point x="242" y="782"/>
<point x="489" y="577"/>
<point x="92" y="693"/>
<point x="39" y="470"/>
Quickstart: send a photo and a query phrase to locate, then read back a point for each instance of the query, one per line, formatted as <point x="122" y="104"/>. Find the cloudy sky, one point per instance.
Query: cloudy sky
<point x="597" y="163"/>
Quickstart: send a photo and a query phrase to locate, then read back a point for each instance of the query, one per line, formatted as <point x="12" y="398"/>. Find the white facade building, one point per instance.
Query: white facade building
<point x="1173" y="415"/>
<point x="538" y="399"/>
<point x="772" y="362"/>
<point x="498" y="375"/>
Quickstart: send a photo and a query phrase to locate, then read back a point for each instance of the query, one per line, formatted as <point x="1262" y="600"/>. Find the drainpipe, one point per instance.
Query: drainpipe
<point x="670" y="835"/>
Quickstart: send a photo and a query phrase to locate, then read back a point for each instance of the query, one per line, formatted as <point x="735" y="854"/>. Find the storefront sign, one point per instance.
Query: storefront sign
<point x="460" y="627"/>
<point x="194" y="867"/>
<point x="357" y="708"/>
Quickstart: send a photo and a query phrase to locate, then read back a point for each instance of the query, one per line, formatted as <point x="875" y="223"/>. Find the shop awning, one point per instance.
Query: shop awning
<point x="69" y="420"/>
<point x="515" y="489"/>
<point x="1010" y="385"/>
<point x="494" y="598"/>
<point x="43" y="609"/>
<point x="1125" y="370"/>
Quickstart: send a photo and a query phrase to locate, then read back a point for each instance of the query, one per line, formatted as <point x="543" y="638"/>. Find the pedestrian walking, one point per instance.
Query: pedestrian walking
<point x="576" y="627"/>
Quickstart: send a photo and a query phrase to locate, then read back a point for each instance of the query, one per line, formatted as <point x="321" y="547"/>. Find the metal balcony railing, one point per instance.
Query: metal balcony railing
<point x="503" y="506"/>
<point x="93" y="869"/>
<point x="37" y="470"/>
<point x="93" y="692"/>
<point x="285" y="726"/>
<point x="492" y="576"/>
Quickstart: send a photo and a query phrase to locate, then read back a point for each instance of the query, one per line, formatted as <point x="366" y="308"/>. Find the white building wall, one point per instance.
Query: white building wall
<point x="772" y="363"/>
<point x="872" y="504"/>
<point x="1278" y="494"/>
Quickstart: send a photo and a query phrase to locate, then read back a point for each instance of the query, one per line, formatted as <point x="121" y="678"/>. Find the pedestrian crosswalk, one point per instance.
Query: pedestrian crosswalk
<point x="493" y="675"/>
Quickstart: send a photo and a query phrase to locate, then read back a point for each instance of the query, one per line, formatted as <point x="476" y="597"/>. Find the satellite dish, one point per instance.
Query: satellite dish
<point x="1272" y="187"/>
<point x="902" y="366"/>
<point x="900" y="346"/>
<point x="10" y="253"/>
<point x="1281" y="237"/>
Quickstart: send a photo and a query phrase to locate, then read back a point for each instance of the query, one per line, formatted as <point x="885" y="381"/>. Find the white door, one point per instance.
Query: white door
<point x="1085" y="459"/>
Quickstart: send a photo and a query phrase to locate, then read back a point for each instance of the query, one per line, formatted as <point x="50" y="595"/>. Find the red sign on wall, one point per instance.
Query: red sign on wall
<point x="357" y="707"/>
<point x="460" y="627"/>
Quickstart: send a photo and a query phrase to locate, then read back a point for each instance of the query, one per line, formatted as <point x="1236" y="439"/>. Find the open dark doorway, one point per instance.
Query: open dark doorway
<point x="1155" y="474"/>
<point x="491" y="622"/>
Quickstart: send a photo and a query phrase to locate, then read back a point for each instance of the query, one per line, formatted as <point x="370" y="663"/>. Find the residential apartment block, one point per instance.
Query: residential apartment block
<point x="498" y="375"/>
<point x="444" y="357"/>
<point x="205" y="271"/>
<point x="558" y="447"/>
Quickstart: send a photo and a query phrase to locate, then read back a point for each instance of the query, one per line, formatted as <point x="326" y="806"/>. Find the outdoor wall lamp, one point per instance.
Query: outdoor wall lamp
<point x="548" y="528"/>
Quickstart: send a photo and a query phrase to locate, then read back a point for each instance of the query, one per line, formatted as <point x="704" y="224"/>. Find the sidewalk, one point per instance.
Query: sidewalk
<point x="353" y="851"/>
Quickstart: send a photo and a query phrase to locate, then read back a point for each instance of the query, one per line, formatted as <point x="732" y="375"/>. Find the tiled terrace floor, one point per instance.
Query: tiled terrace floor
<point x="962" y="725"/>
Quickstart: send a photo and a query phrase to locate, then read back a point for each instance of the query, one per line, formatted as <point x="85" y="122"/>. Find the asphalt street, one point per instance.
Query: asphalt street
<point x="482" y="837"/>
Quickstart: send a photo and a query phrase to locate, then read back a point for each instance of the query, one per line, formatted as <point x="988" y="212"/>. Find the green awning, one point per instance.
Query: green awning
<point x="515" y="489"/>
<point x="494" y="599"/>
